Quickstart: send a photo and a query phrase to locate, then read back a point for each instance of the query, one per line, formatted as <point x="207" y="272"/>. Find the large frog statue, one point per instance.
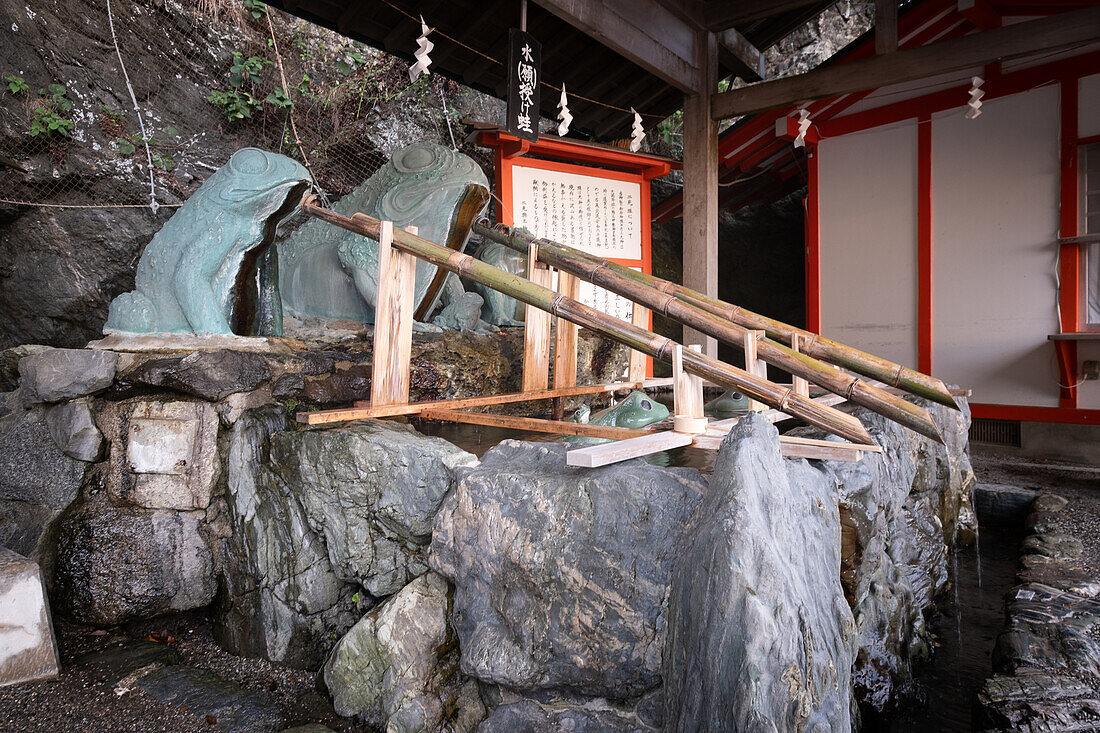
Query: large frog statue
<point x="501" y="309"/>
<point x="637" y="411"/>
<point x="211" y="269"/>
<point x="328" y="272"/>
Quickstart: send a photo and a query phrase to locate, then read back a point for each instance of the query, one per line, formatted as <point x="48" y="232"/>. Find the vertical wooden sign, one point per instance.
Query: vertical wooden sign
<point x="524" y="78"/>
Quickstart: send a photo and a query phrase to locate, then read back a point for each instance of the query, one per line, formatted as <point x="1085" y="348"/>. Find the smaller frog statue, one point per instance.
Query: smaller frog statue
<point x="464" y="314"/>
<point x="636" y="411"/>
<point x="730" y="403"/>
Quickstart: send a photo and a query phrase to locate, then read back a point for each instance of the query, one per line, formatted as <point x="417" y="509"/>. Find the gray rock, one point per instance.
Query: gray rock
<point x="64" y="374"/>
<point x="310" y="728"/>
<point x="561" y="574"/>
<point x="33" y="468"/>
<point x="9" y="364"/>
<point x="394" y="668"/>
<point x="203" y="693"/>
<point x="282" y="600"/>
<point x="1050" y="503"/>
<point x="210" y="375"/>
<point x="30" y="530"/>
<point x="74" y="430"/>
<point x="998" y="505"/>
<point x="372" y="490"/>
<point x="760" y="636"/>
<point x="527" y="716"/>
<point x="116" y="565"/>
<point x="27" y="647"/>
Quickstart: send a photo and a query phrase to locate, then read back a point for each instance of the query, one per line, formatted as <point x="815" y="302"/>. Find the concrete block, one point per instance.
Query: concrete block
<point x="28" y="650"/>
<point x="1000" y="505"/>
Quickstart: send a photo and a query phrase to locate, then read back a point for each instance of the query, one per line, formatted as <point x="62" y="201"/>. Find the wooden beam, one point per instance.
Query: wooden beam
<point x="642" y="31"/>
<point x="565" y="338"/>
<point x="722" y="15"/>
<point x="701" y="191"/>
<point x="594" y="456"/>
<point x="364" y="410"/>
<point x="536" y="329"/>
<point x="1045" y="35"/>
<point x="886" y="26"/>
<point x="980" y="13"/>
<point x="392" y="322"/>
<point x="538" y="425"/>
<point x="737" y="54"/>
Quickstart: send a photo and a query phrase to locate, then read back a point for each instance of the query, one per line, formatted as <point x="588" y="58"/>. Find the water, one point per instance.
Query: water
<point x="965" y="625"/>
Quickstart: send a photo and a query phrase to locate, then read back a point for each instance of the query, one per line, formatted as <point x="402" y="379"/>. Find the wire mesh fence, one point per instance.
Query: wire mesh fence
<point x="163" y="92"/>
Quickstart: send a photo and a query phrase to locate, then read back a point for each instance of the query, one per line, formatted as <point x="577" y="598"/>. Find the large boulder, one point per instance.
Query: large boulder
<point x="561" y="574"/>
<point x="372" y="490"/>
<point x="760" y="636"/>
<point x="64" y="374"/>
<point x="208" y="375"/>
<point x="396" y="670"/>
<point x="116" y="565"/>
<point x="282" y="600"/>
<point x="529" y="716"/>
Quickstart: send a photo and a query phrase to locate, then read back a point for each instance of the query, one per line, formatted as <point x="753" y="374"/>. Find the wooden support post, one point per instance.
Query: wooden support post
<point x="701" y="186"/>
<point x="536" y="329"/>
<point x="687" y="395"/>
<point x="800" y="385"/>
<point x="637" y="358"/>
<point x="753" y="365"/>
<point x="393" y="318"/>
<point x="886" y="26"/>
<point x="565" y="345"/>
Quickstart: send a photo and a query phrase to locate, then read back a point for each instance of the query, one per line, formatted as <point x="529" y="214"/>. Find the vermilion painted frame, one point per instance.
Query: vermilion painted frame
<point x="562" y="155"/>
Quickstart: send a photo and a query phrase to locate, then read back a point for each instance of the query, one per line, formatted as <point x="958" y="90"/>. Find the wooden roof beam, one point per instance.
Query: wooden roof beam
<point x="1045" y="35"/>
<point x="642" y="31"/>
<point x="729" y="13"/>
<point x="886" y="26"/>
<point x="739" y="56"/>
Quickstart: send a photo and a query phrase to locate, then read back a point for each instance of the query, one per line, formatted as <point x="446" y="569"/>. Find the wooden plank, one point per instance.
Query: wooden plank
<point x="514" y="422"/>
<point x="700" y="234"/>
<point x="1045" y="35"/>
<point x="886" y="26"/>
<point x="797" y="448"/>
<point x="752" y="364"/>
<point x="798" y="385"/>
<point x="736" y="53"/>
<point x="728" y="13"/>
<point x="639" y="317"/>
<point x="536" y="329"/>
<point x="593" y="456"/>
<point x="364" y="410"/>
<point x="393" y="322"/>
<point x="565" y="338"/>
<point x="640" y="30"/>
<point x="865" y="448"/>
<point x="774" y="416"/>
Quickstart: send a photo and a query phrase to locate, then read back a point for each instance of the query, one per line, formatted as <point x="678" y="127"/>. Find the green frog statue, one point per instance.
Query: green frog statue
<point x="637" y="411"/>
<point x="730" y="403"/>
<point x="212" y="269"/>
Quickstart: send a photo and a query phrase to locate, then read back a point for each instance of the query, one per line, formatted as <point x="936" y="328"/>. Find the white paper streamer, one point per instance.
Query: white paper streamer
<point x="637" y="132"/>
<point x="803" y="126"/>
<point x="976" y="94"/>
<point x="563" y="115"/>
<point x="421" y="54"/>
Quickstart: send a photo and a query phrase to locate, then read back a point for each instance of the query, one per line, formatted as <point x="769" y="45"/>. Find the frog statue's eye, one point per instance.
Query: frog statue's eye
<point x="646" y="405"/>
<point x="250" y="162"/>
<point x="738" y="396"/>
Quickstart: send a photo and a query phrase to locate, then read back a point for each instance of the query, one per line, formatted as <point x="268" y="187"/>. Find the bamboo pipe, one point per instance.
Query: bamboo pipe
<point x="811" y="344"/>
<point x="659" y="347"/>
<point x="592" y="268"/>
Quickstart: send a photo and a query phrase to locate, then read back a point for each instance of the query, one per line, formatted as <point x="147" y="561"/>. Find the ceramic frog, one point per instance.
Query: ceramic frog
<point x="730" y="403"/>
<point x="636" y="411"/>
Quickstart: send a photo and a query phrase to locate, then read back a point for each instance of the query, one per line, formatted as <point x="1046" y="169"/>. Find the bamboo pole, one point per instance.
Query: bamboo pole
<point x="635" y="337"/>
<point x="598" y="271"/>
<point x="812" y="345"/>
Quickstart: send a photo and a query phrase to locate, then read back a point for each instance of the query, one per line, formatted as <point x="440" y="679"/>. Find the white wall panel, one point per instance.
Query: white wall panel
<point x="869" y="241"/>
<point x="1088" y="106"/>
<point x="995" y="222"/>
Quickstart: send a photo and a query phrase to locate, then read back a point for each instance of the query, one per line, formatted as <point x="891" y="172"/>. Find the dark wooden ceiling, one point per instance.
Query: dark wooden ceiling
<point x="588" y="68"/>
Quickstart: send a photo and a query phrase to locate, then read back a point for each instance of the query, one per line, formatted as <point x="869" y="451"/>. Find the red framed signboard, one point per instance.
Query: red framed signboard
<point x="592" y="197"/>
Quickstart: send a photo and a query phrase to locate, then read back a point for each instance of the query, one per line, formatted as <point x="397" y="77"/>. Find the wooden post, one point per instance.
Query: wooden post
<point x="565" y="345"/>
<point x="640" y="317"/>
<point x="536" y="329"/>
<point x="393" y="317"/>
<point x="753" y="365"/>
<point x="798" y="384"/>
<point x="687" y="395"/>
<point x="701" y="186"/>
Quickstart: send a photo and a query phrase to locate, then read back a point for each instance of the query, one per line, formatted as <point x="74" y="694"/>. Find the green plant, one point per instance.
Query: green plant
<point x="16" y="84"/>
<point x="246" y="69"/>
<point x="257" y="8"/>
<point x="164" y="161"/>
<point x="58" y="95"/>
<point x="46" y="122"/>
<point x="235" y="104"/>
<point x="278" y="98"/>
<point x="124" y="146"/>
<point x="171" y="132"/>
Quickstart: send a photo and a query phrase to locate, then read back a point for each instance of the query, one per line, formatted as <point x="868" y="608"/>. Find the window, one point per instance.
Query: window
<point x="1090" y="224"/>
